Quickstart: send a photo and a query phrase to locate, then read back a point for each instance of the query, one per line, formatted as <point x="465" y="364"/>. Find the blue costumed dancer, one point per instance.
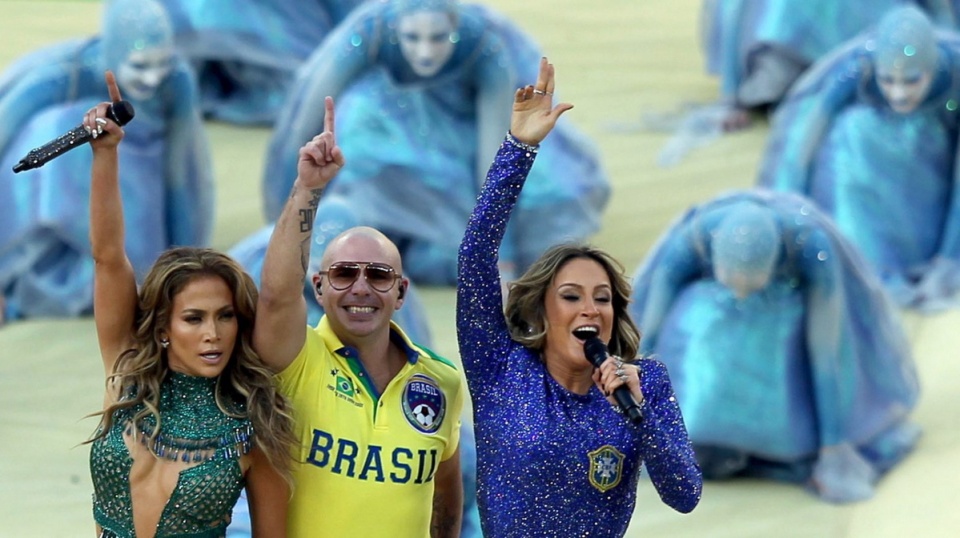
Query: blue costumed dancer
<point x="554" y="457"/>
<point x="424" y="89"/>
<point x="870" y="134"/>
<point x="246" y="52"/>
<point x="758" y="48"/>
<point x="45" y="263"/>
<point x="787" y="357"/>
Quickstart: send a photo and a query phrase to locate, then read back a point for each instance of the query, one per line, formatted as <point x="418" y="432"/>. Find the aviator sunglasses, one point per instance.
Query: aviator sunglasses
<point x="379" y="276"/>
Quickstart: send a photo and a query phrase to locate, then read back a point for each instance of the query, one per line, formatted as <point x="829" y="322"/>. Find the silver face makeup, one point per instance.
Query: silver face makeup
<point x="143" y="71"/>
<point x="425" y="40"/>
<point x="903" y="90"/>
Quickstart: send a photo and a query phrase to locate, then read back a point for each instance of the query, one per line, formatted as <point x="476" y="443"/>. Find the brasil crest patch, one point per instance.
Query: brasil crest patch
<point x="424" y="404"/>
<point x="606" y="467"/>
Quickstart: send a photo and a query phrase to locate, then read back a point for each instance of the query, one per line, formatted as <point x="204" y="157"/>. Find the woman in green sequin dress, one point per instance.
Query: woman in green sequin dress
<point x="191" y="416"/>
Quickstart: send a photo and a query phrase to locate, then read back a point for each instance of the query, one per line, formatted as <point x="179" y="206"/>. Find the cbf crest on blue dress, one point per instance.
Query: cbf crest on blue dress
<point x="46" y="268"/>
<point x="418" y="131"/>
<point x="787" y="358"/>
<point x="870" y="134"/>
<point x="246" y="52"/>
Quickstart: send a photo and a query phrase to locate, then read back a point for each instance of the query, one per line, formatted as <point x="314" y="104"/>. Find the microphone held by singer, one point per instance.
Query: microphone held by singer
<point x="121" y="112"/>
<point x="596" y="352"/>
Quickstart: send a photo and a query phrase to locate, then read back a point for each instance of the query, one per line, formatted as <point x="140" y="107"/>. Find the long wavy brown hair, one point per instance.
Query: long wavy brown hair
<point x="526" y="307"/>
<point x="139" y="371"/>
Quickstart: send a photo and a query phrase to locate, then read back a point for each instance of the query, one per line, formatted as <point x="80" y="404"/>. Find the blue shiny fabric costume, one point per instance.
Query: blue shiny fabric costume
<point x="551" y="462"/>
<point x="166" y="179"/>
<point x="809" y="378"/>
<point x="246" y="52"/>
<point x="735" y="31"/>
<point x="417" y="148"/>
<point x="887" y="179"/>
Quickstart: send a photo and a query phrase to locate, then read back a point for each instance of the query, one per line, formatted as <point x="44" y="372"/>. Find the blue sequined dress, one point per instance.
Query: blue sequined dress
<point x="889" y="180"/>
<point x="166" y="179"/>
<point x="246" y="52"/>
<point x="810" y="377"/>
<point x="417" y="148"/>
<point x="551" y="462"/>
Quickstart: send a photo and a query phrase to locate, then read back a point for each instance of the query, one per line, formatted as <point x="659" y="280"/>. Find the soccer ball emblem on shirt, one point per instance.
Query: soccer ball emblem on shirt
<point x="425" y="415"/>
<point x="424" y="404"/>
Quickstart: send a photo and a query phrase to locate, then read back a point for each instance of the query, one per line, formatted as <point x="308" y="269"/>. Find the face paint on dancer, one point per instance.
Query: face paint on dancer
<point x="745" y="249"/>
<point x="143" y="71"/>
<point x="137" y="44"/>
<point x="906" y="55"/>
<point x="426" y="40"/>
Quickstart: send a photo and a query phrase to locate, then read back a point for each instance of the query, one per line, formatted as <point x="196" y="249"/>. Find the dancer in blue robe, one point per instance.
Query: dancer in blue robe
<point x="870" y="134"/>
<point x="424" y="90"/>
<point x="246" y="52"/>
<point x="786" y="356"/>
<point x="758" y="49"/>
<point x="45" y="264"/>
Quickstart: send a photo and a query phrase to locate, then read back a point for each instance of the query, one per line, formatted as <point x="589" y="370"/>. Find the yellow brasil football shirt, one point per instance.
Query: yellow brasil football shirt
<point x="367" y="461"/>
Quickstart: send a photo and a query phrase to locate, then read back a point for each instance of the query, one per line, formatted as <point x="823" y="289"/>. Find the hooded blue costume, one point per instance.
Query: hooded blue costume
<point x="246" y="52"/>
<point x="887" y="178"/>
<point x="417" y="146"/>
<point x="808" y="377"/>
<point x="167" y="186"/>
<point x="738" y="33"/>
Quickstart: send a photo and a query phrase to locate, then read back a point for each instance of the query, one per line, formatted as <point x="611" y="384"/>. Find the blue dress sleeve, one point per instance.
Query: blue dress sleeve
<point x="666" y="449"/>
<point x="481" y="327"/>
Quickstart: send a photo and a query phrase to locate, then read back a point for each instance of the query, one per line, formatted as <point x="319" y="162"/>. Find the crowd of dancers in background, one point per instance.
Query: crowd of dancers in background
<point x="774" y="309"/>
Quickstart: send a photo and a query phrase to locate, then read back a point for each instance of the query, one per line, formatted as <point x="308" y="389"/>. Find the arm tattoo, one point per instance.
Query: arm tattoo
<point x="306" y="219"/>
<point x="304" y="256"/>
<point x="308" y="214"/>
<point x="441" y="523"/>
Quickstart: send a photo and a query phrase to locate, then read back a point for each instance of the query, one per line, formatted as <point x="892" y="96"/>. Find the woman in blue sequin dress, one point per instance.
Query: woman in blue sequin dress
<point x="554" y="457"/>
<point x="45" y="265"/>
<point x="871" y="135"/>
<point x="423" y="88"/>
<point x="787" y="358"/>
<point x="191" y="416"/>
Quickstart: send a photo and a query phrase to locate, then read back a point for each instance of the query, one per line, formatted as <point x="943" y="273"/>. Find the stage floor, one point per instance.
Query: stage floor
<point x="616" y="60"/>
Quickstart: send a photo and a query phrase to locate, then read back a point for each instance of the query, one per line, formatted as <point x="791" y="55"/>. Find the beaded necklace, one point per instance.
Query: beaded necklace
<point x="192" y="427"/>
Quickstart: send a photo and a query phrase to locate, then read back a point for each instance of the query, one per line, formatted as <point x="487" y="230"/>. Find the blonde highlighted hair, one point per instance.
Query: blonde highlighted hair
<point x="526" y="310"/>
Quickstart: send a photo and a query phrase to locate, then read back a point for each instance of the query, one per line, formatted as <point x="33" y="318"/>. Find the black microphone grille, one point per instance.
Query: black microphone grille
<point x="595" y="350"/>
<point x="121" y="112"/>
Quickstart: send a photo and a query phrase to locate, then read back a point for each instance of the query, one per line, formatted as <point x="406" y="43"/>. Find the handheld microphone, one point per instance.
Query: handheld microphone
<point x="596" y="352"/>
<point x="121" y="112"/>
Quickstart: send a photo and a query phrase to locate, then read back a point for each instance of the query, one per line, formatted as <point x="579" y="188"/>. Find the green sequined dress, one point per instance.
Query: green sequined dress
<point x="193" y="430"/>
